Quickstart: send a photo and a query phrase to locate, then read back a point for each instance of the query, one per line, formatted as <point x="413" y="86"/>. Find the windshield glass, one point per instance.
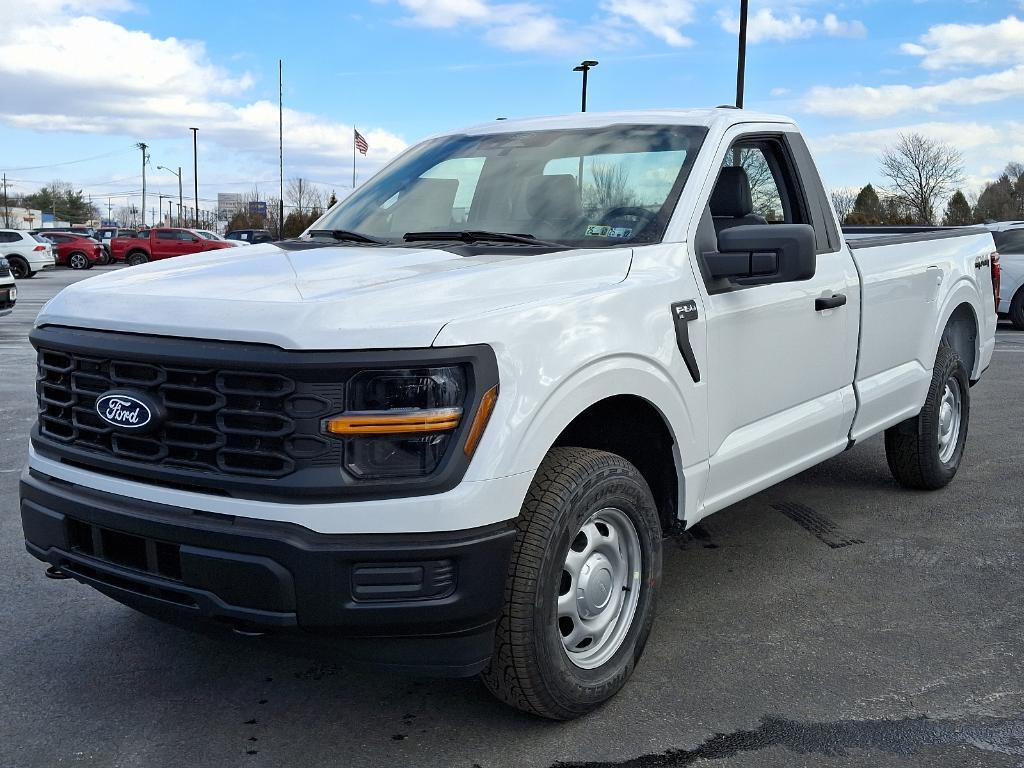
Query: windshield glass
<point x="529" y="183"/>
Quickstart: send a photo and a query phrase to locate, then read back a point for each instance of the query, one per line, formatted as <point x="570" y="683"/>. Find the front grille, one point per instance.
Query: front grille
<point x="229" y="422"/>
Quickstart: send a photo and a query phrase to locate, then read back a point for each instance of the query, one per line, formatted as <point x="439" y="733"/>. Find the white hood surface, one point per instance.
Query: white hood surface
<point x="335" y="297"/>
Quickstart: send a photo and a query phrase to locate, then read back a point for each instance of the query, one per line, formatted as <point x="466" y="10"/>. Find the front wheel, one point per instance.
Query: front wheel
<point x="134" y="259"/>
<point x="581" y="586"/>
<point x="78" y="260"/>
<point x="924" y="452"/>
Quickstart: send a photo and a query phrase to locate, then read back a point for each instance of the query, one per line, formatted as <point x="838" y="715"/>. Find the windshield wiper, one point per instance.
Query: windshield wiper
<point x="347" y="235"/>
<point x="478" y="236"/>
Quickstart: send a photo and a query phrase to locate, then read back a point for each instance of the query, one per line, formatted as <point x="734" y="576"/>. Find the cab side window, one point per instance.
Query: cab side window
<point x="757" y="185"/>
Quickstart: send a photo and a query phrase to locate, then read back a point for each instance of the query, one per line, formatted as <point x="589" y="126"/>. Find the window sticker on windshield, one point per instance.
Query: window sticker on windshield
<point x="600" y="230"/>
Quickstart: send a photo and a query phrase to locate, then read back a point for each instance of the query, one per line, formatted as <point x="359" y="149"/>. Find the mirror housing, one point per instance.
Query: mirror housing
<point x="760" y="254"/>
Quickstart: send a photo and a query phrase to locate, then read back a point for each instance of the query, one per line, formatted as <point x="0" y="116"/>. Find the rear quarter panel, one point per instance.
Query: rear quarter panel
<point x="909" y="292"/>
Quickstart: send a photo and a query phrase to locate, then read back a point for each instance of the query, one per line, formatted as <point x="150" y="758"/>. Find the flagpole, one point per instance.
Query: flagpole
<point x="353" y="157"/>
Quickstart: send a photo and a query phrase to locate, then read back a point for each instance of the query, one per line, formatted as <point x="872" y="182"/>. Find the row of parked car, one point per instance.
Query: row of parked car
<point x="32" y="251"/>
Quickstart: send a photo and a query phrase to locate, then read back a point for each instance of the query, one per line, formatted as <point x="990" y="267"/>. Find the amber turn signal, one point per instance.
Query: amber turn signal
<point x="483" y="415"/>
<point x="392" y="423"/>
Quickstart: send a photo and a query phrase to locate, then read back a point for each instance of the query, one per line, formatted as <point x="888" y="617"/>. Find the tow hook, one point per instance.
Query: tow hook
<point x="53" y="572"/>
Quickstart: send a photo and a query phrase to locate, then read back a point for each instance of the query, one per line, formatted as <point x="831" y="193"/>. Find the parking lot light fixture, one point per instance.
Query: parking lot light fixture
<point x="178" y="174"/>
<point x="585" y="67"/>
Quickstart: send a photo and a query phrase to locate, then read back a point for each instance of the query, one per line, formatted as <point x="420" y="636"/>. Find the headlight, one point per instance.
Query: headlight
<point x="400" y="423"/>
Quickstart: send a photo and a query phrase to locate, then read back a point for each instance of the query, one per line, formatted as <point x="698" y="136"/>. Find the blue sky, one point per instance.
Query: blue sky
<point x="87" y="78"/>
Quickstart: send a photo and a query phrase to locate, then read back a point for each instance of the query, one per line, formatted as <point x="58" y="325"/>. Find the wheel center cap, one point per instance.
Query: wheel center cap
<point x="594" y="589"/>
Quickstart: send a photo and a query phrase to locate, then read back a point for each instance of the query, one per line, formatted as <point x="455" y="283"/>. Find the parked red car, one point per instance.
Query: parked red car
<point x="75" y="251"/>
<point x="161" y="243"/>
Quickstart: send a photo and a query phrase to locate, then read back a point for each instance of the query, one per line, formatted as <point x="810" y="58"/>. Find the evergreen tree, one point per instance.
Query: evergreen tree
<point x="867" y="208"/>
<point x="958" y="211"/>
<point x="997" y="202"/>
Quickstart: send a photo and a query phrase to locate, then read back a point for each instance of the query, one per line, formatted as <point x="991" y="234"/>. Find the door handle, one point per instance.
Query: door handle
<point x="837" y="300"/>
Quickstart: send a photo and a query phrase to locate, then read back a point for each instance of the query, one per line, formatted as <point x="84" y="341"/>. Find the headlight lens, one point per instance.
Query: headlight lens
<point x="399" y="423"/>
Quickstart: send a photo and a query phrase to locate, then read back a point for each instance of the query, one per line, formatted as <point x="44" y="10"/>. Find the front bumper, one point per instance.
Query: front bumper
<point x="425" y="602"/>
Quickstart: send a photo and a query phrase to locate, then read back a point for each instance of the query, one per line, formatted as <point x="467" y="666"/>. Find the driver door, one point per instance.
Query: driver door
<point x="780" y="371"/>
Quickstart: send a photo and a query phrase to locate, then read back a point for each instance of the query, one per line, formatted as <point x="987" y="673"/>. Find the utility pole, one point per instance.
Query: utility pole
<point x="161" y="208"/>
<point x="145" y="157"/>
<point x="110" y="209"/>
<point x="169" y="219"/>
<point x="7" y="206"/>
<point x="195" y="162"/>
<point x="280" y="146"/>
<point x="741" y="58"/>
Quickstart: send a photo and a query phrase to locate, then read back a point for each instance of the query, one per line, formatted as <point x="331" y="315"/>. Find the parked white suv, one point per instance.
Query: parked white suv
<point x="1009" y="238"/>
<point x="25" y="252"/>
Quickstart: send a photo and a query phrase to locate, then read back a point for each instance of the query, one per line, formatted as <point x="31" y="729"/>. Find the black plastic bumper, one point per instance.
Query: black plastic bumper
<point x="425" y="602"/>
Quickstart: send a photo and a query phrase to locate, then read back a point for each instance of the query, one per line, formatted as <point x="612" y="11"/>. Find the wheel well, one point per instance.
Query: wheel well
<point x="961" y="333"/>
<point x="632" y="428"/>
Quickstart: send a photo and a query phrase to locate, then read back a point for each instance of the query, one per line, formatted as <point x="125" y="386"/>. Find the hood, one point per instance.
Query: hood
<point x="336" y="297"/>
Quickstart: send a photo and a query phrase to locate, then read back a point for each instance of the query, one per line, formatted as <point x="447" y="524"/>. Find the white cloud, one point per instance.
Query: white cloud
<point x="662" y="18"/>
<point x="765" y="25"/>
<point x="888" y="100"/>
<point x="836" y="28"/>
<point x="951" y="45"/>
<point x="522" y="26"/>
<point x="100" y="77"/>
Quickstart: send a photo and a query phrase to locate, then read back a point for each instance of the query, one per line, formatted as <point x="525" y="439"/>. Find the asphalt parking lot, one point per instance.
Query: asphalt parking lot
<point x="835" y="620"/>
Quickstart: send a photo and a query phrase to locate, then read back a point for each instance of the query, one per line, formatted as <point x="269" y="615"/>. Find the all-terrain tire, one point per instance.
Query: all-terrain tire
<point x="913" y="447"/>
<point x="531" y="668"/>
<point x="135" y="258"/>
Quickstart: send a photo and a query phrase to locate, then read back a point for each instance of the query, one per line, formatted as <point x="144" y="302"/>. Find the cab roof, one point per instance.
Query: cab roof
<point x="719" y="117"/>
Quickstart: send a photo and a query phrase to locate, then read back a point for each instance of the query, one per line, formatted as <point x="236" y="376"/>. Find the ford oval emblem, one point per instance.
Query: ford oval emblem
<point x="124" y="410"/>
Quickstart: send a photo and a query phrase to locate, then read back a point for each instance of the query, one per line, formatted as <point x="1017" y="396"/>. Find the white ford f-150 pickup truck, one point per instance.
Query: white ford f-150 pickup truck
<point x="446" y="428"/>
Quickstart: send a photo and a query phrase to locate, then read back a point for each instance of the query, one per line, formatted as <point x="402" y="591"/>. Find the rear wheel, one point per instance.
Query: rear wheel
<point x="581" y="586"/>
<point x="136" y="258"/>
<point x="78" y="260"/>
<point x="924" y="452"/>
<point x="1017" y="310"/>
<point x="19" y="267"/>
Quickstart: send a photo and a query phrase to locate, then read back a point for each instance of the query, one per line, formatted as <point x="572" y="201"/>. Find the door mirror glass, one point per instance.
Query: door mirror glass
<point x="760" y="254"/>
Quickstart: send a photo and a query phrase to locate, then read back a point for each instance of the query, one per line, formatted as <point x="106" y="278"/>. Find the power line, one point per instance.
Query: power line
<point x="68" y="162"/>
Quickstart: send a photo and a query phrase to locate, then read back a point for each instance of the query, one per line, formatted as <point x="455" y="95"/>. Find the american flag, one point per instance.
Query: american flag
<point x="361" y="144"/>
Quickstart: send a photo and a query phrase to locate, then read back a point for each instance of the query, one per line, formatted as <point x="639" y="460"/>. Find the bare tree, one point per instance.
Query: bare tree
<point x="923" y="173"/>
<point x="843" y="200"/>
<point x="609" y="189"/>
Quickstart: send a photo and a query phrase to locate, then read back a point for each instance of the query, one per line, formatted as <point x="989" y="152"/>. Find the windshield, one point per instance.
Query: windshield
<point x="529" y="183"/>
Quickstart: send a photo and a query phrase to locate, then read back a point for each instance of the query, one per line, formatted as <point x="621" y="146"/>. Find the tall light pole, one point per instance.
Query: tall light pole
<point x="741" y="58"/>
<point x="584" y="67"/>
<point x="195" y="163"/>
<point x="178" y="174"/>
<point x="280" y="147"/>
<point x="145" y="159"/>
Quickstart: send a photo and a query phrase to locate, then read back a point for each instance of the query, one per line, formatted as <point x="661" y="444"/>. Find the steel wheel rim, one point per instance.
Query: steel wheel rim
<point x="950" y="408"/>
<point x="599" y="588"/>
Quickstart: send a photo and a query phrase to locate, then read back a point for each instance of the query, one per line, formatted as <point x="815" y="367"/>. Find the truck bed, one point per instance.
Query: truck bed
<point x="869" y="237"/>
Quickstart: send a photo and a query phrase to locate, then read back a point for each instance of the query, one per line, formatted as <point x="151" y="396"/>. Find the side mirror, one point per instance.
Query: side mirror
<point x="760" y="254"/>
